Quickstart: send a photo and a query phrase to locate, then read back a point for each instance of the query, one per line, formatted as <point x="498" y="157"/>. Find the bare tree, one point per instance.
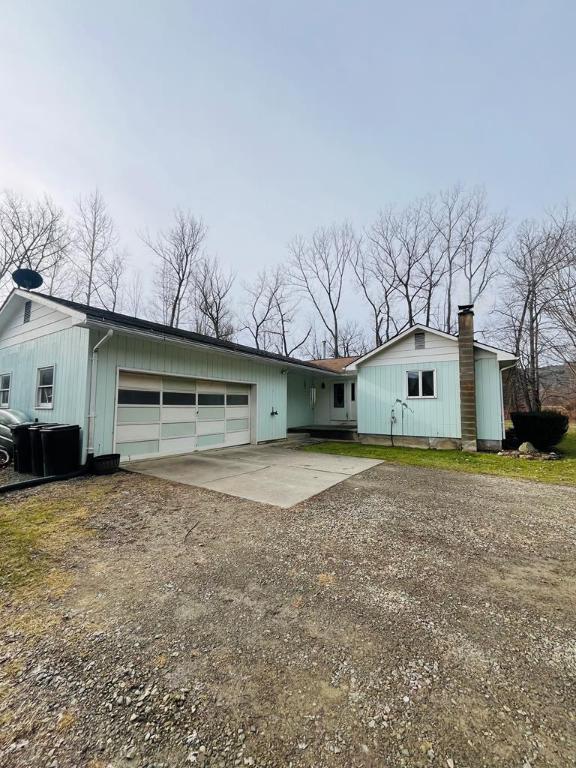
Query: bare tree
<point x="483" y="236"/>
<point x="352" y="339"/>
<point x="448" y="217"/>
<point x="212" y="287"/>
<point x="33" y="235"/>
<point x="178" y="251"/>
<point x="403" y="243"/>
<point x="533" y="263"/>
<point x="110" y="286"/>
<point x="562" y="304"/>
<point x="376" y="289"/>
<point x="261" y="310"/>
<point x="94" y="240"/>
<point x="289" y="335"/>
<point x="318" y="268"/>
<point x="134" y="302"/>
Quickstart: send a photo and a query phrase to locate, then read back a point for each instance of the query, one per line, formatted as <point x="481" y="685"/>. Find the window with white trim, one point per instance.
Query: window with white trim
<point x="5" y="382"/>
<point x="421" y="384"/>
<point x="45" y="387"/>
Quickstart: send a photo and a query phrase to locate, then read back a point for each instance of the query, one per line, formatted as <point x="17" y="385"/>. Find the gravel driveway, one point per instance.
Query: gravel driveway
<point x="406" y="617"/>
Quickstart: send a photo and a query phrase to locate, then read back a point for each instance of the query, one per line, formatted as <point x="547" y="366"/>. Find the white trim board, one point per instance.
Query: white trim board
<point x="441" y="351"/>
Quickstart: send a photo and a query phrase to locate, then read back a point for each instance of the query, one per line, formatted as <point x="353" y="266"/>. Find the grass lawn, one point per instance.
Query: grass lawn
<point x="562" y="471"/>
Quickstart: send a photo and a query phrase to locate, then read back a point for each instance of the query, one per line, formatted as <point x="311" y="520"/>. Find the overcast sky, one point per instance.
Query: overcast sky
<point x="270" y="118"/>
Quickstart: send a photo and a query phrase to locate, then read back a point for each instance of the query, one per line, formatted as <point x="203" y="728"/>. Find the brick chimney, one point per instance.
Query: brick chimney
<point x="467" y="377"/>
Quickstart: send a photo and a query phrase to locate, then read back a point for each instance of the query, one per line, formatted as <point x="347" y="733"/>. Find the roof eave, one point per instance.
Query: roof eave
<point x="161" y="337"/>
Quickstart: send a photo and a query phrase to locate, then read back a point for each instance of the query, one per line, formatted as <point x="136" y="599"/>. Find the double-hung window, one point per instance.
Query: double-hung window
<point x="45" y="388"/>
<point x="421" y="384"/>
<point x="5" y="382"/>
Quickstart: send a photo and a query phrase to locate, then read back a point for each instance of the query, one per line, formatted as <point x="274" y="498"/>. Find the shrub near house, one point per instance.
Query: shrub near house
<point x="544" y="429"/>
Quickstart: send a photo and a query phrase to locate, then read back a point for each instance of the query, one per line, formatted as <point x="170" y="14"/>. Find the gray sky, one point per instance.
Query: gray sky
<point x="269" y="118"/>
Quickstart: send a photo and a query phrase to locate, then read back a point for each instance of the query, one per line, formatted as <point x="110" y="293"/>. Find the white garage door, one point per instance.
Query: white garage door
<point x="163" y="415"/>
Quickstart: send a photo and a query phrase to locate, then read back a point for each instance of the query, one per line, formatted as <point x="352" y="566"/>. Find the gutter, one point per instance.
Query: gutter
<point x="92" y="398"/>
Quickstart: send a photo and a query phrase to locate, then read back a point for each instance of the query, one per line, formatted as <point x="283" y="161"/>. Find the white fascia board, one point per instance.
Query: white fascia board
<point x="501" y="354"/>
<point x="157" y="337"/>
<point x="80" y="317"/>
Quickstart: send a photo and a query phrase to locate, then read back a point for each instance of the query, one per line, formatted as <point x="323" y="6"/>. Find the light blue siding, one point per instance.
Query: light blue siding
<point x="380" y="386"/>
<point x="300" y="411"/>
<point x="488" y="399"/>
<point x="132" y="352"/>
<point x="67" y="351"/>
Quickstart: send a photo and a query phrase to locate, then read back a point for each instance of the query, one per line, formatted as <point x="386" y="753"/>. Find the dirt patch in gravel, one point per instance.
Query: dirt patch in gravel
<point x="406" y="617"/>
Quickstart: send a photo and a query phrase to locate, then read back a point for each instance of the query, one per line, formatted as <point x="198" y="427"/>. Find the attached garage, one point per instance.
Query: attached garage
<point x="166" y="415"/>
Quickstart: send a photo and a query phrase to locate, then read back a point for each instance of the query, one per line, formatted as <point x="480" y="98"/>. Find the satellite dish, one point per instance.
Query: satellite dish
<point x="27" y="279"/>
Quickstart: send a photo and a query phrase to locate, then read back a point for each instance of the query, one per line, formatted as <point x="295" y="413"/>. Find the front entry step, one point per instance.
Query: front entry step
<point x="328" y="432"/>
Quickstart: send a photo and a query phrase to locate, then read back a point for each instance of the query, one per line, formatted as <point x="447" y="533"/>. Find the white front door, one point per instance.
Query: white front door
<point x="343" y="401"/>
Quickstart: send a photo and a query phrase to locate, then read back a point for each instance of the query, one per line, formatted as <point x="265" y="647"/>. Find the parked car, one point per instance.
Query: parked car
<point x="8" y="417"/>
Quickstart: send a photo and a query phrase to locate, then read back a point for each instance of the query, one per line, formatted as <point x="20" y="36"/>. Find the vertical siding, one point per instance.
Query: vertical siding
<point x="488" y="399"/>
<point x="163" y="357"/>
<point x="67" y="351"/>
<point x="380" y="386"/>
<point x="300" y="411"/>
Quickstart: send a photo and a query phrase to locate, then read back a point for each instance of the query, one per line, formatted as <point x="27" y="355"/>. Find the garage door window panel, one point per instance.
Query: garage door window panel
<point x="234" y="400"/>
<point x="210" y="398"/>
<point x="178" y="398"/>
<point x="138" y="397"/>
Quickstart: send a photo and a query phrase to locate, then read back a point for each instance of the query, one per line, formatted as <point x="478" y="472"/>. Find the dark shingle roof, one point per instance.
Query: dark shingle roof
<point x="104" y="316"/>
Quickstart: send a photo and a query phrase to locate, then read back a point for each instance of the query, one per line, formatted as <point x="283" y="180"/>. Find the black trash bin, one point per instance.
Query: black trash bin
<point x="21" y="440"/>
<point x="60" y="449"/>
<point x="35" y="442"/>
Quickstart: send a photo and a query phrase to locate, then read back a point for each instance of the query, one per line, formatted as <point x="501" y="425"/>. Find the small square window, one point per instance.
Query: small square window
<point x="45" y="388"/>
<point x="5" y="381"/>
<point x="421" y="383"/>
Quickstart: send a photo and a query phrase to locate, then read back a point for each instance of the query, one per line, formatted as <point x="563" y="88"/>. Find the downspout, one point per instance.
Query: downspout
<point x="93" y="372"/>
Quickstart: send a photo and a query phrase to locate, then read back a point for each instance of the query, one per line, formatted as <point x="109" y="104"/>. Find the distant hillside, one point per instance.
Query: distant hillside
<point x="558" y="387"/>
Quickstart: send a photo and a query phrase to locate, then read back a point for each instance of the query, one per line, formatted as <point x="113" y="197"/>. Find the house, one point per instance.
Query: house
<point x="143" y="389"/>
<point x="426" y="388"/>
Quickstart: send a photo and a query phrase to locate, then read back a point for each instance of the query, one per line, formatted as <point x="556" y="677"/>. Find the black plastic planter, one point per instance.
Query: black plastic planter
<point x="106" y="464"/>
